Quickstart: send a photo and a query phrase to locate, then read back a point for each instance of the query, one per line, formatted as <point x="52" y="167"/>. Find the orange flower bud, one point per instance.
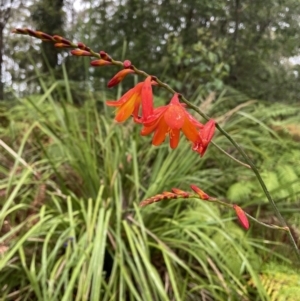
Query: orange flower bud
<point x="99" y="63"/>
<point x="241" y="216"/>
<point x="61" y="40"/>
<point x="43" y="36"/>
<point x="119" y="77"/>
<point x="201" y="193"/>
<point x="62" y="45"/>
<point x="79" y="52"/>
<point x="180" y="192"/>
<point x="169" y="195"/>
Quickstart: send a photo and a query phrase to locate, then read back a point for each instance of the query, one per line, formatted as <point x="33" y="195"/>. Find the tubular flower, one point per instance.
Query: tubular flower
<point x="206" y="133"/>
<point x="129" y="104"/>
<point x="171" y="119"/>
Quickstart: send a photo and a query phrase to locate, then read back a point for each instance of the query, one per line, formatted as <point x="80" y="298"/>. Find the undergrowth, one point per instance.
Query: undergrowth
<point x="71" y="228"/>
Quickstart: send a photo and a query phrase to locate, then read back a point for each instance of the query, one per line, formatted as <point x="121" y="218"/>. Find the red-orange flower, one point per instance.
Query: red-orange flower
<point x="171" y="119"/>
<point x="129" y="104"/>
<point x="206" y="133"/>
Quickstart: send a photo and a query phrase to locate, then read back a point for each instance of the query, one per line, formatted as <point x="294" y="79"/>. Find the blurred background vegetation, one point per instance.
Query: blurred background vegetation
<point x="71" y="179"/>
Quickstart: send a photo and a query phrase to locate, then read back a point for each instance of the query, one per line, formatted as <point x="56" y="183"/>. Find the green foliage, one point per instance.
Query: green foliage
<point x="248" y="45"/>
<point x="199" y="67"/>
<point x="281" y="283"/>
<point x="279" y="169"/>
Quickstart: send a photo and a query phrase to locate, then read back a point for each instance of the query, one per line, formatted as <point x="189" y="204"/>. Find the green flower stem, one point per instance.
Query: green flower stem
<point x="286" y="229"/>
<point x="214" y="200"/>
<point x="228" y="155"/>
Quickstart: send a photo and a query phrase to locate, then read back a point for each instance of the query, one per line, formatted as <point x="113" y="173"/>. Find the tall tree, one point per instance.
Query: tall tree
<point x="199" y="39"/>
<point x="5" y="14"/>
<point x="48" y="16"/>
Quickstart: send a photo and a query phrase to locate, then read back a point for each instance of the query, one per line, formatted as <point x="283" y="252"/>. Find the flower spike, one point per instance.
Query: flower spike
<point x="166" y="195"/>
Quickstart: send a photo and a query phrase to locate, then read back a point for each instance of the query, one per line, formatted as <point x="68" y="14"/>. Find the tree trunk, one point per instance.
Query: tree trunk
<point x="1" y="62"/>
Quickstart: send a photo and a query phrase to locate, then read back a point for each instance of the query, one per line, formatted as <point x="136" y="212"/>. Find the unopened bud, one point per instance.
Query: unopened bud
<point x="201" y="193"/>
<point x="241" y="216"/>
<point x="99" y="63"/>
<point x="119" y="77"/>
<point x="127" y="64"/>
<point x="79" y="52"/>
<point x="105" y="56"/>
<point x="62" y="45"/>
<point x="61" y="40"/>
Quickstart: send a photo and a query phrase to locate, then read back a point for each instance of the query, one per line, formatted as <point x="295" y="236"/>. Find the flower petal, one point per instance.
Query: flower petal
<point x="160" y="133"/>
<point x="190" y="131"/>
<point x="174" y="116"/>
<point x="175" y="99"/>
<point x="126" y="109"/>
<point x="206" y="135"/>
<point x="208" y="131"/>
<point x="174" y="138"/>
<point x="125" y="97"/>
<point x="155" y="116"/>
<point x="194" y="121"/>
<point x="147" y="98"/>
<point x="146" y="130"/>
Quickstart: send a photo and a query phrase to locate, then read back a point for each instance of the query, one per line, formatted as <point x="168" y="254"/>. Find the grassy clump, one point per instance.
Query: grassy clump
<point x="71" y="225"/>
